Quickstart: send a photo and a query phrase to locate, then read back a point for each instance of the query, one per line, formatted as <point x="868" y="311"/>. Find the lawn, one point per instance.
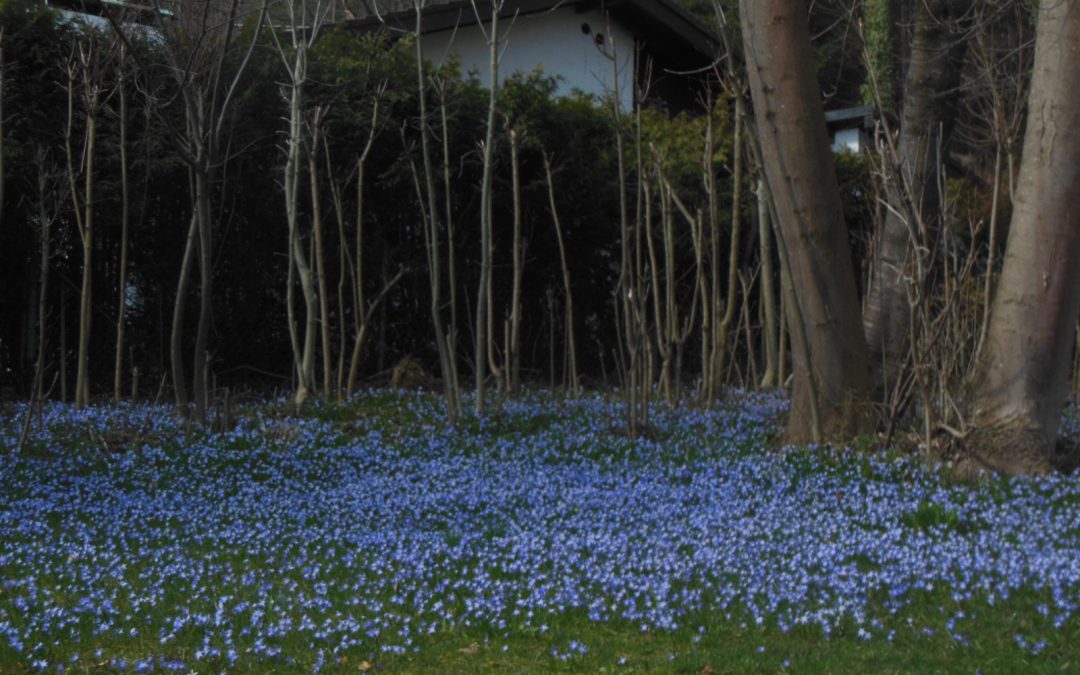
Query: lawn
<point x="372" y="537"/>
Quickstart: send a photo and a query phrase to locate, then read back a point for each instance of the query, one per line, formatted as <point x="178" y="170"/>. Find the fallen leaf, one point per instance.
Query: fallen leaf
<point x="365" y="666"/>
<point x="474" y="648"/>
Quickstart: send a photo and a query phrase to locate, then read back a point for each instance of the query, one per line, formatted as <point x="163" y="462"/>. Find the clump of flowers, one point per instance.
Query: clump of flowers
<point x="286" y="538"/>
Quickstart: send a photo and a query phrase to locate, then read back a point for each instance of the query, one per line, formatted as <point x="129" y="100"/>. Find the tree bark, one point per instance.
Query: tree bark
<point x="832" y="372"/>
<point x="571" y="342"/>
<point x="928" y="112"/>
<point x="121" y="308"/>
<point x="176" y="333"/>
<point x="513" y="346"/>
<point x="431" y="230"/>
<point x="1020" y="390"/>
<point x="768" y="295"/>
<point x="482" y="308"/>
<point x="204" y="232"/>
<point x="3" y="82"/>
<point x="722" y="323"/>
<point x="320" y="257"/>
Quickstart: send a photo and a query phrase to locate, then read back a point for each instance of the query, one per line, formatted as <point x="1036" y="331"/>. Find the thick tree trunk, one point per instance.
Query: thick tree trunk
<point x="832" y="375"/>
<point x="928" y="111"/>
<point x="1020" y="390"/>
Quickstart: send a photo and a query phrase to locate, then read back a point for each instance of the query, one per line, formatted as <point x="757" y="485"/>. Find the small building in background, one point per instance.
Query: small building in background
<point x="851" y="129"/>
<point x="94" y="12"/>
<point x="641" y="46"/>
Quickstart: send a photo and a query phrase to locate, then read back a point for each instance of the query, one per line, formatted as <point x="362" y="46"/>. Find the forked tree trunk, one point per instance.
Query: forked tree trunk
<point x="1021" y="384"/>
<point x="83" y="206"/>
<point x="832" y="375"/>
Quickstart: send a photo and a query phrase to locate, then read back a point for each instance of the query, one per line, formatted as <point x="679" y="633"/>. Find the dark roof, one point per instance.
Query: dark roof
<point x="137" y="11"/>
<point x="863" y="113"/>
<point x="662" y="23"/>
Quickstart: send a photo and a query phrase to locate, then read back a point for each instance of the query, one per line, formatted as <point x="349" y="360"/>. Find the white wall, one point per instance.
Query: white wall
<point x="847" y="140"/>
<point x="552" y="41"/>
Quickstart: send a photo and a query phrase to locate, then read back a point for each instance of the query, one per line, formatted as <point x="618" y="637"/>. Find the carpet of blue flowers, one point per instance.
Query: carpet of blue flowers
<point x="132" y="541"/>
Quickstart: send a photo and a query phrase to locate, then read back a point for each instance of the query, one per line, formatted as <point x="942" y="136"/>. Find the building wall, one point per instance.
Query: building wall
<point x="552" y="41"/>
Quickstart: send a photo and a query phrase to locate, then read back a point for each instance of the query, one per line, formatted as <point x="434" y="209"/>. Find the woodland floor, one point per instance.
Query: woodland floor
<point x="371" y="536"/>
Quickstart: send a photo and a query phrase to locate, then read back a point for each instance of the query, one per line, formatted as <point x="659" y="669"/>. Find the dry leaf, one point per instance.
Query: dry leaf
<point x="472" y="649"/>
<point x="365" y="666"/>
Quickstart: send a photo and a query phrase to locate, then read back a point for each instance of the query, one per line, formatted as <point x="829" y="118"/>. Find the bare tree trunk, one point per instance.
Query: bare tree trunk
<point x="660" y="321"/>
<point x="723" y="325"/>
<point x="118" y="371"/>
<point x="571" y="343"/>
<point x="929" y="98"/>
<point x="297" y="374"/>
<point x="346" y="273"/>
<point x="3" y="82"/>
<point x="630" y="305"/>
<point x="199" y="363"/>
<point x="768" y="294"/>
<point x="832" y="372"/>
<point x="482" y="308"/>
<point x="711" y="315"/>
<point x="197" y="41"/>
<point x="46" y="216"/>
<point x="1020" y="389"/>
<point x="513" y="347"/>
<point x="87" y="69"/>
<point x="320" y="256"/>
<point x="302" y="36"/>
<point x="303" y="352"/>
<point x="176" y="333"/>
<point x="63" y="345"/>
<point x="782" y="348"/>
<point x="451" y="254"/>
<point x="358" y="279"/>
<point x="446" y="357"/>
